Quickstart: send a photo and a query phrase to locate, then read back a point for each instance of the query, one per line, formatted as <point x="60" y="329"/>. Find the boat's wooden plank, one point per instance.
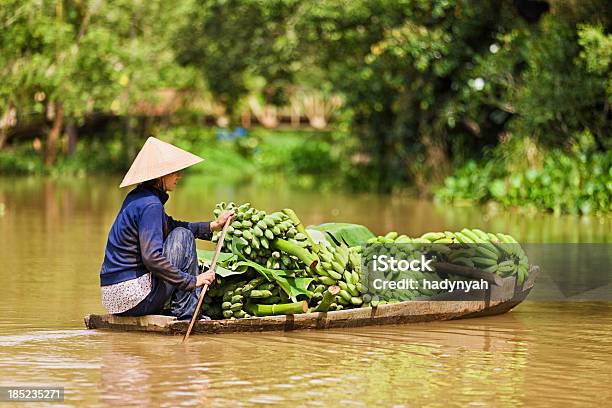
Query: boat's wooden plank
<point x="520" y="294"/>
<point x="402" y="312"/>
<point x="150" y="323"/>
<point x="496" y="300"/>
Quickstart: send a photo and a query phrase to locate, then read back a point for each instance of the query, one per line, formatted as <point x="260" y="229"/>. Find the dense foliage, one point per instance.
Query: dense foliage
<point x="579" y="182"/>
<point x="427" y="86"/>
<point x="432" y="82"/>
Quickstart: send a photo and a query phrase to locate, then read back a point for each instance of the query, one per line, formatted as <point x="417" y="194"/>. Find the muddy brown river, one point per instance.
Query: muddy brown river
<point x="552" y="350"/>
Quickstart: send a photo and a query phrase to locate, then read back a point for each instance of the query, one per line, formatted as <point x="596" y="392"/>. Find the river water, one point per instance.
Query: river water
<point x="53" y="232"/>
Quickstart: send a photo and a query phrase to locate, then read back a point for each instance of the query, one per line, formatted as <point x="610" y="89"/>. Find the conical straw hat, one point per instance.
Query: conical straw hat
<point x="156" y="159"/>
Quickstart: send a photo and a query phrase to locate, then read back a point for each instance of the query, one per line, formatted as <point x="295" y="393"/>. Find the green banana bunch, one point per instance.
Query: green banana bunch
<point x="279" y="241"/>
<point x="230" y="301"/>
<point x="340" y="265"/>
<point x="256" y="230"/>
<point x="333" y="262"/>
<point x="231" y="298"/>
<point x="410" y="249"/>
<point x="391" y="238"/>
<point x="496" y="253"/>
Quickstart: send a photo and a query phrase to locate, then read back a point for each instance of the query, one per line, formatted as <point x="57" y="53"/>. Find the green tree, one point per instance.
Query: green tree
<point x="242" y="46"/>
<point x="71" y="58"/>
<point x="430" y="82"/>
<point x="396" y="61"/>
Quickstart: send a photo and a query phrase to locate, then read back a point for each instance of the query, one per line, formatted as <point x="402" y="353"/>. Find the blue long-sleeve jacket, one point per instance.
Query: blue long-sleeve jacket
<point x="135" y="241"/>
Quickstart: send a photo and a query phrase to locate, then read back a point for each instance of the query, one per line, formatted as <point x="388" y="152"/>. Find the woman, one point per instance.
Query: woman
<point x="150" y="257"/>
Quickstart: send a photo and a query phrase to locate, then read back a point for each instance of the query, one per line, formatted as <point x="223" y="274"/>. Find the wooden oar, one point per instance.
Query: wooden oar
<point x="212" y="268"/>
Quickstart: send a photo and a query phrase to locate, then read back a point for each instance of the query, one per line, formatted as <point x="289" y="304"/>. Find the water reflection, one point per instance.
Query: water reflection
<point x="519" y="358"/>
<point x="153" y="367"/>
<point x="361" y="367"/>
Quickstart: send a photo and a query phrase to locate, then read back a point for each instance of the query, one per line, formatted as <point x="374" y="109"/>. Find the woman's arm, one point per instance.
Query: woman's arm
<point x="201" y="230"/>
<point x="151" y="240"/>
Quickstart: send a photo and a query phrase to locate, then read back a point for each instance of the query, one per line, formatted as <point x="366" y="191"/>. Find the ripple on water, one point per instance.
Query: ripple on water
<point x="515" y="355"/>
<point x="41" y="336"/>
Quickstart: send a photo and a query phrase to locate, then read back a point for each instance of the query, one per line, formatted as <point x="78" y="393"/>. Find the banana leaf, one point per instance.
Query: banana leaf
<point x="339" y="232"/>
<point x="208" y="255"/>
<point x="222" y="269"/>
<point x="293" y="287"/>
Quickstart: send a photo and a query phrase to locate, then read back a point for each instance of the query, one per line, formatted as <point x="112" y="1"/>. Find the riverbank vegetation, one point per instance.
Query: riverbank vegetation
<point x="300" y="158"/>
<point x="574" y="182"/>
<point x="506" y="101"/>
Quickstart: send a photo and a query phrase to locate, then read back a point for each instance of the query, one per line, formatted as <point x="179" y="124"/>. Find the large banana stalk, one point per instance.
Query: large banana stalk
<point x="302" y="254"/>
<point x="277" y="309"/>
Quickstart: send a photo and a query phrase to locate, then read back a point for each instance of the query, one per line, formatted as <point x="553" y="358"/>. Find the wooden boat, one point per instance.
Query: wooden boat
<point x="497" y="299"/>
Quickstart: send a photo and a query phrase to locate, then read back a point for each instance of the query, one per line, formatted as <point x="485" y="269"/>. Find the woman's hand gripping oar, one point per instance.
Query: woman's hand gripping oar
<point x="212" y="268"/>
